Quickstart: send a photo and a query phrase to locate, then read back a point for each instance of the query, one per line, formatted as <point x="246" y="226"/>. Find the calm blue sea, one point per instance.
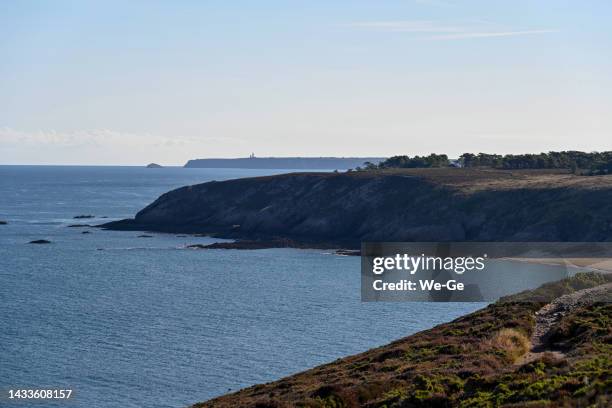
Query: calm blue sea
<point x="133" y="322"/>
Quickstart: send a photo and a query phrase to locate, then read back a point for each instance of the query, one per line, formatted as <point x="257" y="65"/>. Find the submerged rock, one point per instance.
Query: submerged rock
<point x="3" y="222"/>
<point x="40" y="241"/>
<point x="78" y="217"/>
<point x="198" y="246"/>
<point x="79" y="226"/>
<point x="348" y="252"/>
<point x="256" y="244"/>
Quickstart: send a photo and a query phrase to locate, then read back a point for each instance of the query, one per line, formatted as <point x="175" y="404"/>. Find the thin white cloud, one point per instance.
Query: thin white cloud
<point x="437" y="30"/>
<point x="442" y="3"/>
<point x="417" y="26"/>
<point x="462" y="36"/>
<point x="97" y="138"/>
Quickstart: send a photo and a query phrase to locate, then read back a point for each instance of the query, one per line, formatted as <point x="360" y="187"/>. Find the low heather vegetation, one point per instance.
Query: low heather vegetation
<point x="474" y="361"/>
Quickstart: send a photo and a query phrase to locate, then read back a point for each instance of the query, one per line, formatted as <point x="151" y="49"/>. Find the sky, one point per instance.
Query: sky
<point x="133" y="82"/>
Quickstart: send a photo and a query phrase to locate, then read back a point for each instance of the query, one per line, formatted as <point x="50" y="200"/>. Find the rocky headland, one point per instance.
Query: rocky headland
<point x="344" y="209"/>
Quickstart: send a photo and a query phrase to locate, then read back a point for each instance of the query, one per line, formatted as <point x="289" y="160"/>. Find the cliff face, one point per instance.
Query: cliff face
<point x="408" y="205"/>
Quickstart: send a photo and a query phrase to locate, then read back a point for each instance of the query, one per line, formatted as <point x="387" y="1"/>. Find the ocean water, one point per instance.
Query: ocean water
<point x="130" y="321"/>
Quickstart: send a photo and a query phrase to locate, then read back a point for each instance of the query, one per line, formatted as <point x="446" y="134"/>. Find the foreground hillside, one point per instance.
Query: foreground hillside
<point x="545" y="348"/>
<point x="391" y="205"/>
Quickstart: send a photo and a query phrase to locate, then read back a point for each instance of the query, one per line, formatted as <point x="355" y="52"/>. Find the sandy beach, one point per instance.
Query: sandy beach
<point x="603" y="265"/>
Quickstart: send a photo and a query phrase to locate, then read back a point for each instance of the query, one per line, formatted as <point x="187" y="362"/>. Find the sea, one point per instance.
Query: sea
<point x="136" y="319"/>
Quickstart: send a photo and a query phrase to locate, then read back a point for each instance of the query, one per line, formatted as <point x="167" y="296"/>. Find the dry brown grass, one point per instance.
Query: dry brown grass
<point x="470" y="180"/>
<point x="512" y="342"/>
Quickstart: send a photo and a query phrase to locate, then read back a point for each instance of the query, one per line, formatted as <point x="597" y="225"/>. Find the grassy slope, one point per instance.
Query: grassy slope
<point x="470" y="362"/>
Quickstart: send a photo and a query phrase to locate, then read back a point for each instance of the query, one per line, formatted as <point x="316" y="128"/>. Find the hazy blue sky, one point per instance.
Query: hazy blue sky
<point x="131" y="82"/>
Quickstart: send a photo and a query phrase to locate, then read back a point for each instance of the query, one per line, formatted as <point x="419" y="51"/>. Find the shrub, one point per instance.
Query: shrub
<point x="512" y="342"/>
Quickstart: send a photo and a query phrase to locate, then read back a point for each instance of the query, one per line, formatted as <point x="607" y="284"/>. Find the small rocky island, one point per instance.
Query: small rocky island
<point x="154" y="166"/>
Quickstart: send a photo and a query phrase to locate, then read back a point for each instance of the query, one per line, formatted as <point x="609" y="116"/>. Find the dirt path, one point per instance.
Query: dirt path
<point x="552" y="313"/>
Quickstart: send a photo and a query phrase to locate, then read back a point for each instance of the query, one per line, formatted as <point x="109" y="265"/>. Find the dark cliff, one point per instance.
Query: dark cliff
<point x="406" y="205"/>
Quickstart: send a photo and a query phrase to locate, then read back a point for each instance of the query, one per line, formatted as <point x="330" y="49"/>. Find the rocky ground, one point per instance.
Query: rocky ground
<point x="549" y="316"/>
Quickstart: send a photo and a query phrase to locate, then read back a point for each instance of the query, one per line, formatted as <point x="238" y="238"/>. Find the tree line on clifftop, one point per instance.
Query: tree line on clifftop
<point x="594" y="163"/>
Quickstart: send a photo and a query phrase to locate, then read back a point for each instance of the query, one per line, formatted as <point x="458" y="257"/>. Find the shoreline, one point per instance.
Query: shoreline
<point x="241" y="241"/>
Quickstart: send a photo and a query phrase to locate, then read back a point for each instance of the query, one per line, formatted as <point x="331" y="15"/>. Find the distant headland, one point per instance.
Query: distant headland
<point x="311" y="163"/>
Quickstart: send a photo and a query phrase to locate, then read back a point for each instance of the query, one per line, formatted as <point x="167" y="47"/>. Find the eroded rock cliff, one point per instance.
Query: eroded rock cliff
<point x="401" y="205"/>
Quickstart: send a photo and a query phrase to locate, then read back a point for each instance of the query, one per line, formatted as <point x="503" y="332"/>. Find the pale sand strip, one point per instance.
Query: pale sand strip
<point x="593" y="264"/>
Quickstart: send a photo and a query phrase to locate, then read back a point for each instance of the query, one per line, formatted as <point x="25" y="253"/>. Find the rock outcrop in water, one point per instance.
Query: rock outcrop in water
<point x="40" y="241"/>
<point x="400" y="205"/>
